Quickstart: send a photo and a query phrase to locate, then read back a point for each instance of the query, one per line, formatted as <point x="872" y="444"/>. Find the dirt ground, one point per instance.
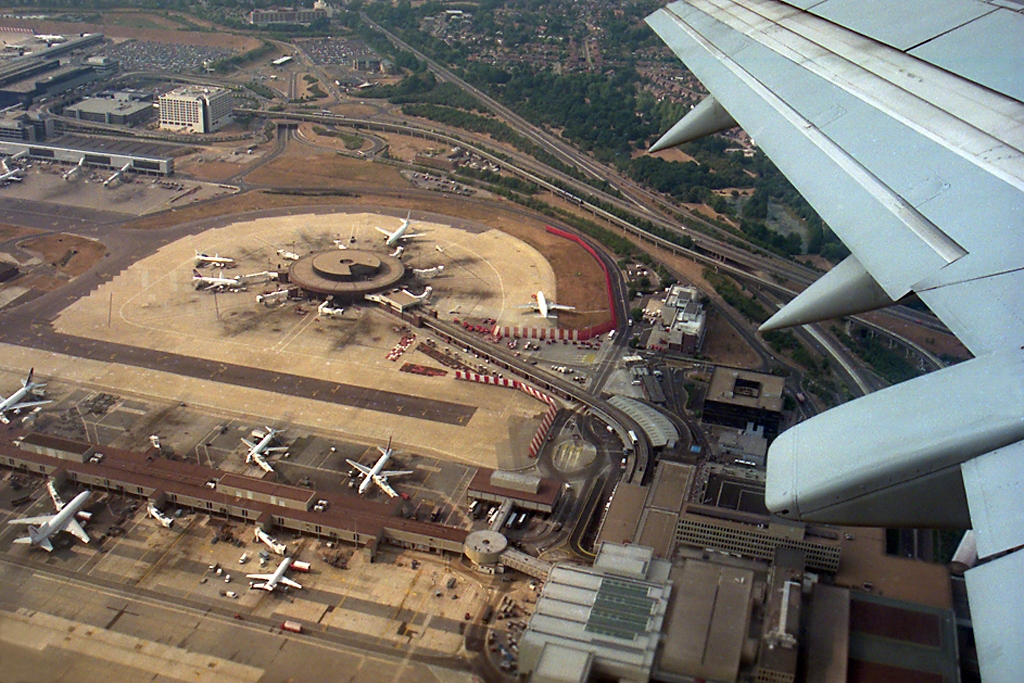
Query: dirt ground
<point x="724" y="346"/>
<point x="14" y="232"/>
<point x="306" y="132"/>
<point x="213" y="171"/>
<point x="405" y="148"/>
<point x="299" y="166"/>
<point x="81" y="253"/>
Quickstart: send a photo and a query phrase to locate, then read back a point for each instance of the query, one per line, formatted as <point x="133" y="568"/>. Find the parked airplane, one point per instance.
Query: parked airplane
<point x="259" y="450"/>
<point x="377" y="474"/>
<point x="393" y="238"/>
<point x="288" y="255"/>
<point x="270" y="582"/>
<point x="208" y="282"/>
<point x="41" y="529"/>
<point x="50" y="38"/>
<point x="217" y="261"/>
<point x="11" y="176"/>
<point x="541" y="305"/>
<point x="58" y="502"/>
<point x="326" y="309"/>
<point x="15" y="403"/>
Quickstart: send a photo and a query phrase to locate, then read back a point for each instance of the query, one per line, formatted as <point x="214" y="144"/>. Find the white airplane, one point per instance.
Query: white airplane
<point x="541" y="305"/>
<point x="326" y="309"/>
<point x="50" y="38"/>
<point x="208" y="282"/>
<point x="11" y="176"/>
<point x="40" y="529"/>
<point x="377" y="474"/>
<point x="217" y="261"/>
<point x="288" y="255"/>
<point x="393" y="238"/>
<point x="908" y="144"/>
<point x="259" y="450"/>
<point x="15" y="403"/>
<point x="270" y="541"/>
<point x="270" y="582"/>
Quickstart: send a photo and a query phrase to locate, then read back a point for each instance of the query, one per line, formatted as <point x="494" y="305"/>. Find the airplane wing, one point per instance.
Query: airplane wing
<point x="901" y="126"/>
<point x="248" y="443"/>
<point x="362" y="468"/>
<point x="395" y="473"/>
<point x="27" y="404"/>
<point x="385" y="486"/>
<point x="73" y="527"/>
<point x="260" y="577"/>
<point x="384" y="232"/>
<point x="288" y="582"/>
<point x="275" y="449"/>
<point x="413" y="234"/>
<point x="560" y="307"/>
<point x="34" y="521"/>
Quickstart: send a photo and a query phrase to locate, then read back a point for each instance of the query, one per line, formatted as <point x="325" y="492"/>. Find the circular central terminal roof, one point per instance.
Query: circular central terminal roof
<point x="345" y="265"/>
<point x="347" y="274"/>
<point x="485" y="546"/>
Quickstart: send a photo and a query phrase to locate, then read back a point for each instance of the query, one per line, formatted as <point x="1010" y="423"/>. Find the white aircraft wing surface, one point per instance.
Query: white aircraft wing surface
<point x="291" y="584"/>
<point x="28" y="404"/>
<point x="395" y="473"/>
<point x="900" y="121"/>
<point x="362" y="468"/>
<point x="34" y="521"/>
<point x="73" y="527"/>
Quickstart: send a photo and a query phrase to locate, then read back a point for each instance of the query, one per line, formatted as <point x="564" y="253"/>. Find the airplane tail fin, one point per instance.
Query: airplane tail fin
<point x="25" y="382"/>
<point x="196" y="273"/>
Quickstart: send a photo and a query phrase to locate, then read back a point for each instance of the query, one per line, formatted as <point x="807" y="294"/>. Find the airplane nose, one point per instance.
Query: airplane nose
<point x="781" y="480"/>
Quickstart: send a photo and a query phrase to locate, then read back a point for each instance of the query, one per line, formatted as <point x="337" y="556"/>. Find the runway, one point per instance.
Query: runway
<point x="392" y="403"/>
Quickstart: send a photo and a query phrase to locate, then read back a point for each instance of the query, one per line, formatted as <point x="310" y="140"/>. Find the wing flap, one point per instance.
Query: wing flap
<point x="995" y="591"/>
<point x="291" y="584"/>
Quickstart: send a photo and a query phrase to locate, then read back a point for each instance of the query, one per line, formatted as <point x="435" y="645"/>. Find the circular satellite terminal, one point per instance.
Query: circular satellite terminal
<point x="346" y="274"/>
<point x="485" y="547"/>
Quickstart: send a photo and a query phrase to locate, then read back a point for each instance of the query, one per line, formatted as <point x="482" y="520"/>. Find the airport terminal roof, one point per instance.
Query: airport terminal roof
<point x="613" y="610"/>
<point x="659" y="429"/>
<point x="106" y="105"/>
<point x="135" y="148"/>
<point x="547" y="491"/>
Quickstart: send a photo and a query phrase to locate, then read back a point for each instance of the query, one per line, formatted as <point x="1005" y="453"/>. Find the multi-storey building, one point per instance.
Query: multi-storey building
<point x="196" y="108"/>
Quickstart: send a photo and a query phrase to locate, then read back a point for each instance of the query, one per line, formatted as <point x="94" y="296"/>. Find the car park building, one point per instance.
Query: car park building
<point x="122" y="108"/>
<point x="196" y="109"/>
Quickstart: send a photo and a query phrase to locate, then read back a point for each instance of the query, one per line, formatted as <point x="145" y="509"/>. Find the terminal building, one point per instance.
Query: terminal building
<point x="289" y="15"/>
<point x="196" y="109"/>
<point x="106" y="153"/>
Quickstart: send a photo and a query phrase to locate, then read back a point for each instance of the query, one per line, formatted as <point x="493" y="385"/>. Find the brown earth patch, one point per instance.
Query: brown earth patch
<point x="723" y="345"/>
<point x="300" y="166"/>
<point x="13" y="232"/>
<point x="405" y="148"/>
<point x="69" y="254"/>
<point x="355" y="110"/>
<point x="306" y="131"/>
<point x="673" y="154"/>
<point x="212" y="171"/>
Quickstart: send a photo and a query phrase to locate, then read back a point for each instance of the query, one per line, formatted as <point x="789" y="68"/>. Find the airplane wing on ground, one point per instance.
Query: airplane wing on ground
<point x="384" y="232"/>
<point x="27" y="404"/>
<point x="73" y="527"/>
<point x="395" y="473"/>
<point x="260" y="577"/>
<point x="901" y="123"/>
<point x="288" y="582"/>
<point x="362" y="468"/>
<point x="34" y="521"/>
